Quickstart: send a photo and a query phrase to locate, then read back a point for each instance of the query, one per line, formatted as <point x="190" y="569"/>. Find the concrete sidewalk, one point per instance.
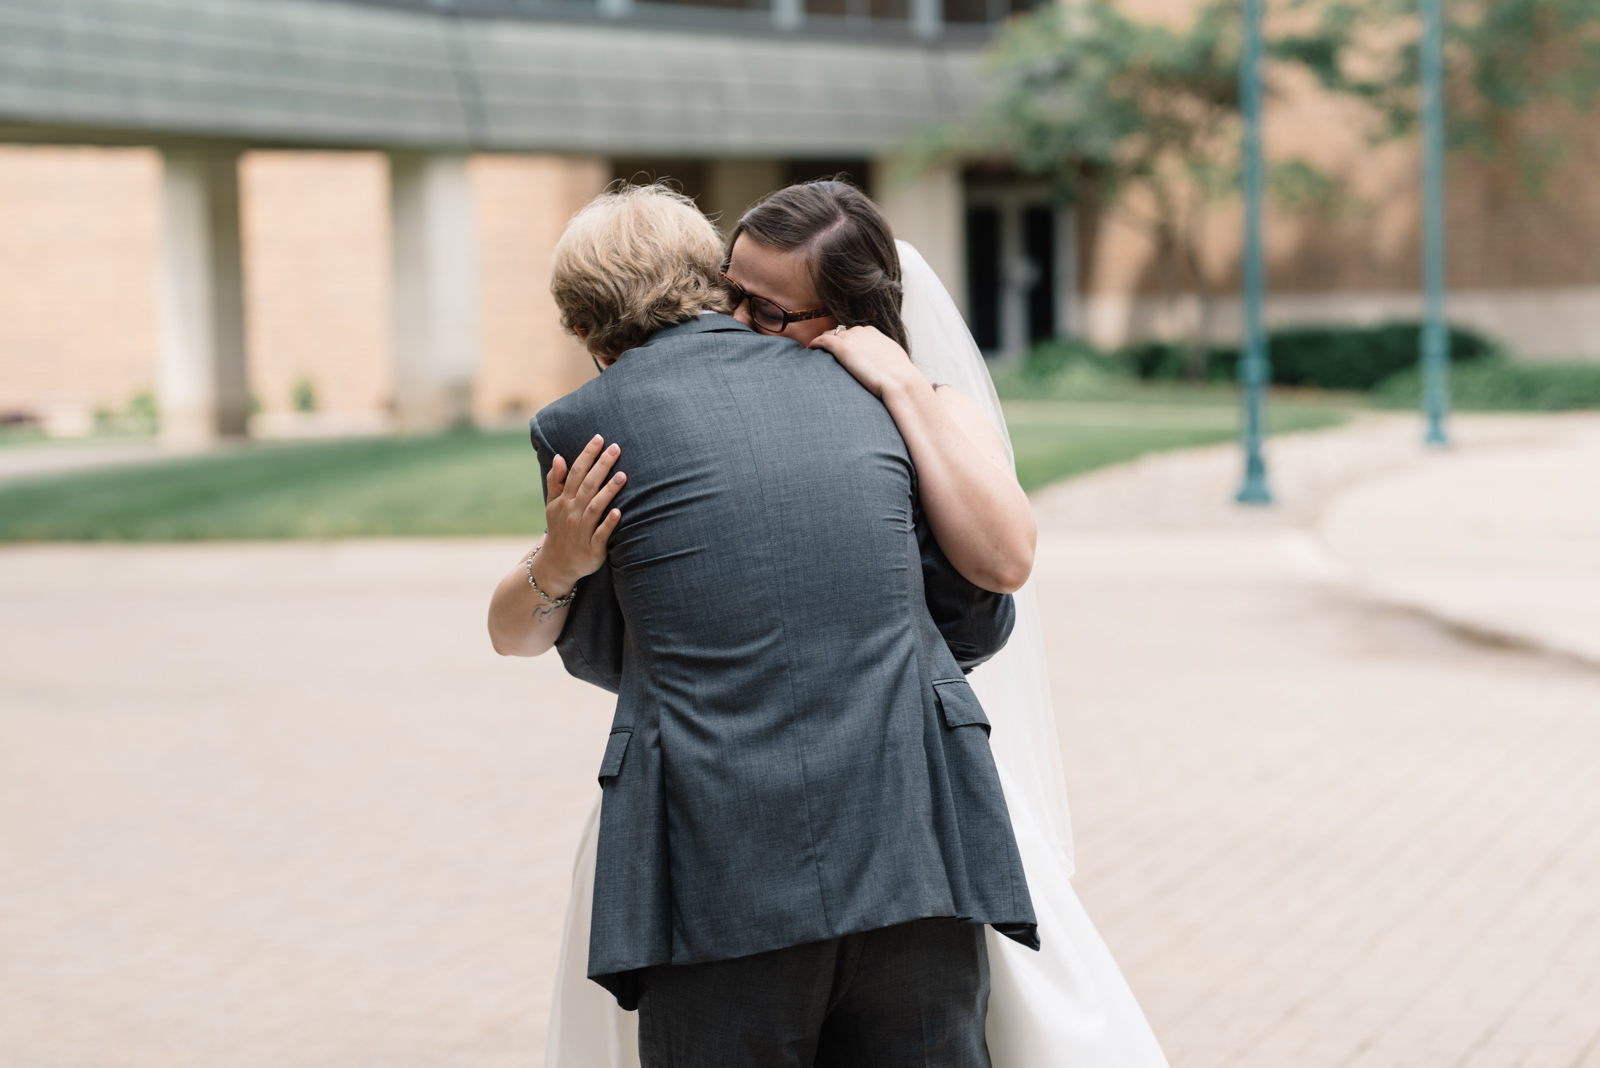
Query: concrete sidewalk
<point x="48" y="458"/>
<point x="1498" y="534"/>
<point x="1500" y="537"/>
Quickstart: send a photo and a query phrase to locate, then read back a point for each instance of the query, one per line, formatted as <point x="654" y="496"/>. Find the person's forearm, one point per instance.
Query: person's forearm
<point x="974" y="505"/>
<point x="521" y="623"/>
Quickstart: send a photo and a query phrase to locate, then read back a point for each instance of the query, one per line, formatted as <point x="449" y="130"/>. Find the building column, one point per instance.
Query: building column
<point x="435" y="259"/>
<point x="929" y="211"/>
<point x="202" y="384"/>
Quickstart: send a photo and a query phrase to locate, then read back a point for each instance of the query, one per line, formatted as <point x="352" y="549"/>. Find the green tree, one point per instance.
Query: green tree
<point x="1502" y="57"/>
<point x="1137" y="117"/>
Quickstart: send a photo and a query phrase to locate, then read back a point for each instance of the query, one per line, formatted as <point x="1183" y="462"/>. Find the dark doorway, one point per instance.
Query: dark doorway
<point x="859" y="9"/>
<point x="687" y="176"/>
<point x="970" y="11"/>
<point x="858" y="172"/>
<point x="983" y="276"/>
<point x="1039" y="245"/>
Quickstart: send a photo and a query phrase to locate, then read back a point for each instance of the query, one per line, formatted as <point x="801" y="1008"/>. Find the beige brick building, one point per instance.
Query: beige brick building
<point x="323" y="216"/>
<point x="79" y="232"/>
<point x="1523" y="264"/>
<point x="349" y="228"/>
<point x="79" y="255"/>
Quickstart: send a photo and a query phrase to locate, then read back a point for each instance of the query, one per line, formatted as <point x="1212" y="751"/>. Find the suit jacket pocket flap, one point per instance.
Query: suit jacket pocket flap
<point x="616" y="749"/>
<point x="959" y="704"/>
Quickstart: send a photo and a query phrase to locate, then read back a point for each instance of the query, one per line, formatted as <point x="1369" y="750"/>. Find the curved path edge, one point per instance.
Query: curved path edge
<point x="1499" y="540"/>
<point x="1497" y="536"/>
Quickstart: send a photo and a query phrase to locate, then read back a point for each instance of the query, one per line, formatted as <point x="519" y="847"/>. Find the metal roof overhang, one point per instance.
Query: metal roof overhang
<point x="319" y="74"/>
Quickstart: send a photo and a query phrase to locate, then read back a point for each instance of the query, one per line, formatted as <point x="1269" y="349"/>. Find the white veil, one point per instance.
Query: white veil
<point x="1015" y="686"/>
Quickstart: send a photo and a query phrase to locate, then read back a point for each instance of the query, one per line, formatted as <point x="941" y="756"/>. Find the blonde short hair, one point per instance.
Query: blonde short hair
<point x="636" y="259"/>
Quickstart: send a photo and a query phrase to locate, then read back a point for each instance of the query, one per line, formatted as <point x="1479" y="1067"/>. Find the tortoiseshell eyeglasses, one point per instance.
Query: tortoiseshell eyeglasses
<point x="768" y="317"/>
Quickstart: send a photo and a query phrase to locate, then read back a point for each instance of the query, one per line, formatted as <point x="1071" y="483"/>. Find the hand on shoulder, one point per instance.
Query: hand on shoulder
<point x="872" y="357"/>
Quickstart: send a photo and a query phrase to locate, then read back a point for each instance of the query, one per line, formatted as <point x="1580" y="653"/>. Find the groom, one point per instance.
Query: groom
<point x="802" y="832"/>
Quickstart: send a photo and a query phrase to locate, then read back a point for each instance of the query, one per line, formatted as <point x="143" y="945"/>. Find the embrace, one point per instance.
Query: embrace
<point x="784" y="528"/>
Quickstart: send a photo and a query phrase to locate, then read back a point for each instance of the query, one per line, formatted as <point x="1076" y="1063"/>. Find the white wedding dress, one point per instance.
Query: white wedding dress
<point x="1066" y="1005"/>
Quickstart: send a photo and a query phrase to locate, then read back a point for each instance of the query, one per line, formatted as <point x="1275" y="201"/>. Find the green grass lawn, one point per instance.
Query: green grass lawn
<point x="1047" y="454"/>
<point x="21" y="435"/>
<point x="1058" y="439"/>
<point x="487" y="483"/>
<point x="453" y="484"/>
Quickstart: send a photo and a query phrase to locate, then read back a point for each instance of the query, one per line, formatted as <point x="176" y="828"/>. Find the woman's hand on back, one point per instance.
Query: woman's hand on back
<point x="577" y="517"/>
<point x="580" y="517"/>
<point x="874" y="358"/>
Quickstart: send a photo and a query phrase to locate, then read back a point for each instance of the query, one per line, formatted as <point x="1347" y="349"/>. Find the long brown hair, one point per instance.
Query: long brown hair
<point x="846" y="240"/>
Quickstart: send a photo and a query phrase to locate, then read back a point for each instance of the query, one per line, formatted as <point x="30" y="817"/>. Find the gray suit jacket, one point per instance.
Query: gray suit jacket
<point x="796" y="754"/>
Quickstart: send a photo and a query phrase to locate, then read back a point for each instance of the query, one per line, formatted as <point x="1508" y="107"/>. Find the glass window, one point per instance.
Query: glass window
<point x="858" y="172"/>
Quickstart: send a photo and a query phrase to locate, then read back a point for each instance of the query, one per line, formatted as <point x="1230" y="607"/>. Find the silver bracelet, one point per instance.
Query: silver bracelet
<point x="560" y="602"/>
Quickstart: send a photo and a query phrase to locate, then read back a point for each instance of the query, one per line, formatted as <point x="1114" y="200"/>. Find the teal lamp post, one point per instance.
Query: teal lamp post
<point x="1254" y="371"/>
<point x="1435" y="340"/>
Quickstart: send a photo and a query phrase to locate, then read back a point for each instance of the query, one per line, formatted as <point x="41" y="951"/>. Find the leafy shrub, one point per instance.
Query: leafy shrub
<point x="1499" y="385"/>
<point x="1150" y="360"/>
<point x="1360" y="359"/>
<point x="303" y="395"/>
<point x="141" y="416"/>
<point x="1062" y="370"/>
<point x="1350" y="358"/>
<point x="1050" y="358"/>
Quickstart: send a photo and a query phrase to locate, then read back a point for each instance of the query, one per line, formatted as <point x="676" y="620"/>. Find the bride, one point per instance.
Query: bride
<point x="1068" y="1003"/>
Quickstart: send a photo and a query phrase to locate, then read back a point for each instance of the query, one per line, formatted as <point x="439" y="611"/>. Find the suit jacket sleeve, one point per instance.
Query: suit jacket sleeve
<point x="974" y="622"/>
<point x="592" y="638"/>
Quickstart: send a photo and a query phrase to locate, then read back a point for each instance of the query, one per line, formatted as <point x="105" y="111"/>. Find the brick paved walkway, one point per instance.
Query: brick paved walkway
<point x="1318" y="831"/>
<point x="279" y="805"/>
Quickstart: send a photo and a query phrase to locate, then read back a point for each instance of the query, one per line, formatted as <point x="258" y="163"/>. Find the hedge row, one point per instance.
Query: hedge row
<point x="1317" y="357"/>
<point x="1381" y="360"/>
<point x="1497" y="385"/>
